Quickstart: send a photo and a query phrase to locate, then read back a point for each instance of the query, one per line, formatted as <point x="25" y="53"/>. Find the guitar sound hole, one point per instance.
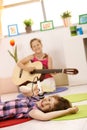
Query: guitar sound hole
<point x="33" y="72"/>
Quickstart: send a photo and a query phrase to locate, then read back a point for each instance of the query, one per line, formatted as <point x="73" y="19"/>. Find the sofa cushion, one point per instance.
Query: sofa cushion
<point x="7" y="86"/>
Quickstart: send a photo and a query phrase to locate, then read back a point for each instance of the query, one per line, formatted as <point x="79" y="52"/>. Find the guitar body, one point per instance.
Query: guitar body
<point x="26" y="76"/>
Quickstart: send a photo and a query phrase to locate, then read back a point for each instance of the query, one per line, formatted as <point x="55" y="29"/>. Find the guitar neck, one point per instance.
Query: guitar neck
<point x="46" y="71"/>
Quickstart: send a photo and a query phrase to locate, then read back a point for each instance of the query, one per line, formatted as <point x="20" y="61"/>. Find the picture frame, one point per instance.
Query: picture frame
<point x="83" y="19"/>
<point x="13" y="30"/>
<point x="46" y="25"/>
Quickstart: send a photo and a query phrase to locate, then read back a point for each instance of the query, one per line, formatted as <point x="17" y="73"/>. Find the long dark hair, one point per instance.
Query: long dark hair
<point x="60" y="104"/>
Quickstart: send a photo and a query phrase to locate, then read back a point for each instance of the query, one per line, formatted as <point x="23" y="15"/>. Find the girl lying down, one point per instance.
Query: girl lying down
<point x="40" y="109"/>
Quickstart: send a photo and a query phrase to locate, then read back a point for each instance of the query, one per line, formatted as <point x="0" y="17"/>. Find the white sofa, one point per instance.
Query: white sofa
<point x="7" y="86"/>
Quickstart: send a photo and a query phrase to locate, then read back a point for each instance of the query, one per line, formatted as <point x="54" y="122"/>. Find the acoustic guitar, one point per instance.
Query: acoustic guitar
<point x="20" y="76"/>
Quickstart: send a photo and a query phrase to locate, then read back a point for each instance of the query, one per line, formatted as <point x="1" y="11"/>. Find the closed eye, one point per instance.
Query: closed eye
<point x="49" y="100"/>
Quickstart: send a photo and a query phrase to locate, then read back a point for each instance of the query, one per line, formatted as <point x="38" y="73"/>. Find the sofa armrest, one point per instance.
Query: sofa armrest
<point x="7" y="86"/>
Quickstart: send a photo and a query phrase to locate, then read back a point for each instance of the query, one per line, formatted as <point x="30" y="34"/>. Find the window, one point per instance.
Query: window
<point x="10" y="2"/>
<point x="16" y="11"/>
<point x="17" y="14"/>
<point x="54" y="8"/>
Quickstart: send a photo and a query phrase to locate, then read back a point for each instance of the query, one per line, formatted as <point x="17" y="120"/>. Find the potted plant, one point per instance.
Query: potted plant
<point x="28" y="23"/>
<point x="66" y="16"/>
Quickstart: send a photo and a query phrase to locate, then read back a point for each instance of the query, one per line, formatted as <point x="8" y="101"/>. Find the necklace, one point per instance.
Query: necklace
<point x="40" y="56"/>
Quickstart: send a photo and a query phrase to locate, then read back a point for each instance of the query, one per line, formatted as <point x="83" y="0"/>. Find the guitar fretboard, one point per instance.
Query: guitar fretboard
<point x="46" y="71"/>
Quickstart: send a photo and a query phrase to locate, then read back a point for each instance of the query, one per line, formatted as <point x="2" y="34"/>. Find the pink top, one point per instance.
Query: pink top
<point x="44" y="62"/>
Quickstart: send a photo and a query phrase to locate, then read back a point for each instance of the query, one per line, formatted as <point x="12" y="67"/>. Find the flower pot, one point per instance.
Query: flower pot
<point x="28" y="29"/>
<point x="67" y="22"/>
<point x="73" y="30"/>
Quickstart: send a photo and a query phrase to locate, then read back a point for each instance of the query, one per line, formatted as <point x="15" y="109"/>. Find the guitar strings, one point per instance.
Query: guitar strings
<point x="41" y="95"/>
<point x="33" y="84"/>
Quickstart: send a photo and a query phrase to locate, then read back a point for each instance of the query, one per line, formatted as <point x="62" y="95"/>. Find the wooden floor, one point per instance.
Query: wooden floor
<point x="77" y="124"/>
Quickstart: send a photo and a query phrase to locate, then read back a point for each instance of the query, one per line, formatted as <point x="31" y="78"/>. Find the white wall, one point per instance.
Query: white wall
<point x="52" y="44"/>
<point x="75" y="56"/>
<point x="67" y="52"/>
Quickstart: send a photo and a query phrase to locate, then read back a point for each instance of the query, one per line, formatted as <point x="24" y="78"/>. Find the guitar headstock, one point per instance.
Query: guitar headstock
<point x="71" y="71"/>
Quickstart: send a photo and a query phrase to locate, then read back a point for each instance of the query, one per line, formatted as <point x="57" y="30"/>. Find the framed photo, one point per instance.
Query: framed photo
<point x="13" y="30"/>
<point x="46" y="25"/>
<point x="83" y="19"/>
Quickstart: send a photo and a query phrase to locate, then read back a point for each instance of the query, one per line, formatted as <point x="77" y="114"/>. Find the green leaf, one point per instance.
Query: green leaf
<point x="15" y="54"/>
<point x="11" y="54"/>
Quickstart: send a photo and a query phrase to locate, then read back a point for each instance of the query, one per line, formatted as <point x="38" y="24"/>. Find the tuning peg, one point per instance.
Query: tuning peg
<point x="71" y="71"/>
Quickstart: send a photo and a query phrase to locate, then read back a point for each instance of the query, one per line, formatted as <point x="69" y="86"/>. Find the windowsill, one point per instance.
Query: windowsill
<point x="34" y="31"/>
<point x="57" y="27"/>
